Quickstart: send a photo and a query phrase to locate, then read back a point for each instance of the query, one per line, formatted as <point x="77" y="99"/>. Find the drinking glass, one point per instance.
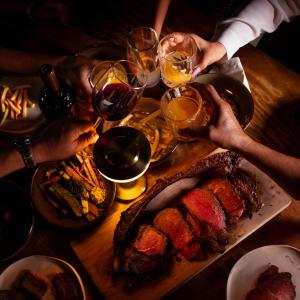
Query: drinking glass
<point x="98" y="70"/>
<point x="122" y="154"/>
<point x="183" y="111"/>
<point x="177" y="56"/>
<point x="142" y="45"/>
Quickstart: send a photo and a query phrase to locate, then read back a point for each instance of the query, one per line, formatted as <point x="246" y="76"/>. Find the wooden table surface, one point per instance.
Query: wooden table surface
<point x="276" y="122"/>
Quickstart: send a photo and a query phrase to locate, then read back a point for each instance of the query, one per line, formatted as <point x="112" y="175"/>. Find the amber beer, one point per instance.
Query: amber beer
<point x="182" y="108"/>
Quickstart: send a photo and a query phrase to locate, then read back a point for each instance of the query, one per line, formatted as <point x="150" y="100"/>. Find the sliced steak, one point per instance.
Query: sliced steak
<point x="146" y="251"/>
<point x="273" y="285"/>
<point x="150" y="241"/>
<point x="230" y="200"/>
<point x="246" y="186"/>
<point x="171" y="222"/>
<point x="203" y="233"/>
<point x="206" y="209"/>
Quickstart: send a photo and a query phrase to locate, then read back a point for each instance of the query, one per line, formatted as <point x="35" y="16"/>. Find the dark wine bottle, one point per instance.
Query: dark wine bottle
<point x="56" y="98"/>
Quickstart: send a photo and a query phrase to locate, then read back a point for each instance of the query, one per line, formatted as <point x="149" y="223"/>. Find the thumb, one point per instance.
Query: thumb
<point x="86" y="139"/>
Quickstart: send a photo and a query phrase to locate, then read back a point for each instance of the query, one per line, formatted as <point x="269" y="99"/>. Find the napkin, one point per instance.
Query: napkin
<point x="233" y="68"/>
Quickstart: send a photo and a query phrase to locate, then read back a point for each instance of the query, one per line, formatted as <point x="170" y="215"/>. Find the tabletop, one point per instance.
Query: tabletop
<point x="276" y="123"/>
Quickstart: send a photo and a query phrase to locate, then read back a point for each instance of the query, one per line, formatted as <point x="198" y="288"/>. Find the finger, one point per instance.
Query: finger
<point x="80" y="127"/>
<point x="87" y="139"/>
<point x="214" y="94"/>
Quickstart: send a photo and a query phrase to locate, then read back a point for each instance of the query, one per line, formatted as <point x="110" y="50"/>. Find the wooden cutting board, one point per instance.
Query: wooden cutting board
<point x="95" y="249"/>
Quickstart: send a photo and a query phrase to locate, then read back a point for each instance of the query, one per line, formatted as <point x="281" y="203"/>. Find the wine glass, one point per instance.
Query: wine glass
<point x="142" y="45"/>
<point x="122" y="154"/>
<point x="177" y="57"/>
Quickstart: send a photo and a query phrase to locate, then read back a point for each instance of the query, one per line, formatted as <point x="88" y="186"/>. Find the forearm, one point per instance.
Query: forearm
<point x="283" y="169"/>
<point x="160" y="15"/>
<point x="10" y="161"/>
<point x="13" y="62"/>
<point x="256" y="18"/>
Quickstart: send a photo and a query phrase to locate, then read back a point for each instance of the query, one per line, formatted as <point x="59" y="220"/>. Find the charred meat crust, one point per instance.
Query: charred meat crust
<point x="219" y="164"/>
<point x="246" y="186"/>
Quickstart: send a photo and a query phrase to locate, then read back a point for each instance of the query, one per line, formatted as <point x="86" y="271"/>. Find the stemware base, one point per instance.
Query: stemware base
<point x="129" y="191"/>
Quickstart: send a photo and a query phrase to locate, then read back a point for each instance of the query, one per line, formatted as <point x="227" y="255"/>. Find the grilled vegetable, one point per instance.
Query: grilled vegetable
<point x="69" y="198"/>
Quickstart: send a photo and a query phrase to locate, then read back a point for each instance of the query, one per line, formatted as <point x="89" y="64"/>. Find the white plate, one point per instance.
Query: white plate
<point x="41" y="265"/>
<point x="245" y="272"/>
<point x="35" y="117"/>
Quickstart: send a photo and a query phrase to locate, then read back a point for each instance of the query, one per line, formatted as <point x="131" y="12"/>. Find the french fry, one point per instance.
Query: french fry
<point x="11" y="113"/>
<point x="4" y="117"/>
<point x="24" y="108"/>
<point x="20" y="97"/>
<point x="15" y="95"/>
<point x="14" y="107"/>
<point x="3" y="97"/>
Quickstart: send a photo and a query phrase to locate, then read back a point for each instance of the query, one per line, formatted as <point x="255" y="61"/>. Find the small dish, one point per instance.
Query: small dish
<point x="44" y="267"/>
<point x="161" y="139"/>
<point x="16" y="219"/>
<point x="35" y="117"/>
<point x="234" y="92"/>
<point x="246" y="270"/>
<point x="52" y="216"/>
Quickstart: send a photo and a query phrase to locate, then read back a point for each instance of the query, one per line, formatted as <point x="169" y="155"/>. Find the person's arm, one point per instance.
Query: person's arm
<point x="14" y="62"/>
<point x="74" y="69"/>
<point x="160" y="15"/>
<point x="40" y="11"/>
<point x="227" y="133"/>
<point x="59" y="141"/>
<point x="257" y="17"/>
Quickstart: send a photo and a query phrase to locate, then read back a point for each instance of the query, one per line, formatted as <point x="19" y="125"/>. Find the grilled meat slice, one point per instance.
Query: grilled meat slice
<point x="206" y="209"/>
<point x="203" y="233"/>
<point x="66" y="287"/>
<point x="146" y="251"/>
<point x="171" y="222"/>
<point x="230" y="200"/>
<point x="32" y="286"/>
<point x="150" y="241"/>
<point x="246" y="186"/>
<point x="273" y="285"/>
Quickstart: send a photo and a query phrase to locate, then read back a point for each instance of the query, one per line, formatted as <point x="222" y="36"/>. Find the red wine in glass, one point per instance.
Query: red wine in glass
<point x="115" y="101"/>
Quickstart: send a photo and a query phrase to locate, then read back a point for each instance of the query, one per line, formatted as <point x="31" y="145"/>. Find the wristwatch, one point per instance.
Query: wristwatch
<point x="23" y="144"/>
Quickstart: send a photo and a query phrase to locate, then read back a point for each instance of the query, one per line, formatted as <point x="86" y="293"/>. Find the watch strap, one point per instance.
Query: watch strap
<point x="23" y="145"/>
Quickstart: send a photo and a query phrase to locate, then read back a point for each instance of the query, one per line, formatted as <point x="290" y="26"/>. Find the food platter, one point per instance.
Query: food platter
<point x="274" y="200"/>
<point x="44" y="204"/>
<point x="16" y="219"/>
<point x="45" y="267"/>
<point x="244" y="273"/>
<point x="34" y="117"/>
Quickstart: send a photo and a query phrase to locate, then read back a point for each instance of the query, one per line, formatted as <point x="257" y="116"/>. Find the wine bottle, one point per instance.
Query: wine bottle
<point x="56" y="98"/>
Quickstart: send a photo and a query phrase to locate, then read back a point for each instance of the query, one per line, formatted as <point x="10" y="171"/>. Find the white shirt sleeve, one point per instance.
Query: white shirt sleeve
<point x="257" y="17"/>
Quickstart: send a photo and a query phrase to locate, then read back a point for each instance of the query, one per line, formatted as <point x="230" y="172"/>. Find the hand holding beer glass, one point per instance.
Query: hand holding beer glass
<point x="177" y="56"/>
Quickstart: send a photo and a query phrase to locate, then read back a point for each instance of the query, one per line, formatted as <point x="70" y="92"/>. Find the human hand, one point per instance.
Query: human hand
<point x="225" y="129"/>
<point x="76" y="71"/>
<point x="209" y="53"/>
<point x="50" y="10"/>
<point x="62" y="139"/>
